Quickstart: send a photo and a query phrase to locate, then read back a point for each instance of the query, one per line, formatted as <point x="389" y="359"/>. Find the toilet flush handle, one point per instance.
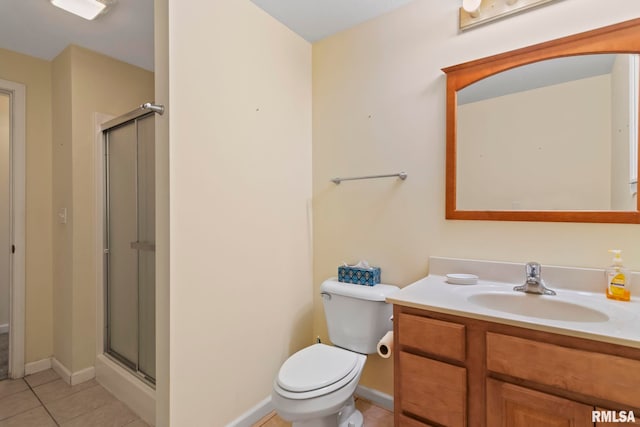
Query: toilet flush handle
<point x="325" y="294"/>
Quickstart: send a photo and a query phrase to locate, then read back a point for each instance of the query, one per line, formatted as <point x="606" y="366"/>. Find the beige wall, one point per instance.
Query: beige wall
<point x="35" y="74"/>
<point x="62" y="198"/>
<point x="5" y="237"/>
<point x="240" y="132"/>
<point x="521" y="149"/>
<point x="379" y="107"/>
<point x="85" y="83"/>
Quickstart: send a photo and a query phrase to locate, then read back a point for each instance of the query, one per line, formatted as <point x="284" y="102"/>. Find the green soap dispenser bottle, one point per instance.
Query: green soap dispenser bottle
<point x="618" y="278"/>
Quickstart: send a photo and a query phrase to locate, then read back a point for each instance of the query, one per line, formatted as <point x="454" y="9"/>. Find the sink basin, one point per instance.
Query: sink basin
<point x="540" y="306"/>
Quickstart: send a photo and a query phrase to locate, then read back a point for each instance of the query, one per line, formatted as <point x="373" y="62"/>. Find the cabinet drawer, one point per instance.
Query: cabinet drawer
<point x="599" y="375"/>
<point x="432" y="336"/>
<point x="433" y="390"/>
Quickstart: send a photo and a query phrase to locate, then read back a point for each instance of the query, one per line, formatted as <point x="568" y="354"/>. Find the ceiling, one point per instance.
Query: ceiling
<point x="317" y="19"/>
<point x="36" y="28"/>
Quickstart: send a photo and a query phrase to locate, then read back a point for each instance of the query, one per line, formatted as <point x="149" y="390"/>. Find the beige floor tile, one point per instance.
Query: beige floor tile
<point x="386" y="421"/>
<point x="262" y="421"/>
<point x="79" y="403"/>
<point x="8" y="387"/>
<point x="59" y="389"/>
<point x="138" y="423"/>
<point x="115" y="414"/>
<point x="374" y="416"/>
<point x="42" y="377"/>
<point x="276" y="421"/>
<point x="371" y="411"/>
<point x="36" y="417"/>
<point x="17" y="403"/>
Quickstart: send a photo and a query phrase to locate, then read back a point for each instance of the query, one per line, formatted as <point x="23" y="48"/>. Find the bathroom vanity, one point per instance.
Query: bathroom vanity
<point x="464" y="360"/>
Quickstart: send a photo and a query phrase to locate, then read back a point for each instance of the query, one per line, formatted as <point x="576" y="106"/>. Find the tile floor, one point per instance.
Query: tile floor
<point x="45" y="400"/>
<point x="374" y="416"/>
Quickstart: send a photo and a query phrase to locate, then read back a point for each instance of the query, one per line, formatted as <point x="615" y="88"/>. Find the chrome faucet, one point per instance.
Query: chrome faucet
<point x="534" y="283"/>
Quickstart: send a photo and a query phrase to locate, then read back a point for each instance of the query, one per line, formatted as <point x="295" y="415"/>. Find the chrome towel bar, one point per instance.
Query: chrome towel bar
<point x="401" y="175"/>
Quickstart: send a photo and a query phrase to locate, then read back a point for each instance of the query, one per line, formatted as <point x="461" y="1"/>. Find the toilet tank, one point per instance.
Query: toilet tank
<point x="357" y="315"/>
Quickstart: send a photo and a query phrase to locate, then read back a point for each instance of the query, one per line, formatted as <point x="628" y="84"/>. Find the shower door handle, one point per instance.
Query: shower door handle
<point x="143" y="246"/>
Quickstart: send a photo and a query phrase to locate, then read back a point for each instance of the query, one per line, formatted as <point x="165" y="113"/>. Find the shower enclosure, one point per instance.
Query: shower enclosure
<point x="129" y="143"/>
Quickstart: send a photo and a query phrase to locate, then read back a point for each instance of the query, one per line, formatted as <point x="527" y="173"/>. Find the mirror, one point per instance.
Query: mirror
<point x="531" y="137"/>
<point x="548" y="132"/>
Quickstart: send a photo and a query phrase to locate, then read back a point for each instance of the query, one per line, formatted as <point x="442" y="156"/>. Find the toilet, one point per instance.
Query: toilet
<point x="315" y="386"/>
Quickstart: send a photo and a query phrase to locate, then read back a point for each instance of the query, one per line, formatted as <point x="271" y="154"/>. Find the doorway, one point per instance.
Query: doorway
<point x="12" y="228"/>
<point x="5" y="230"/>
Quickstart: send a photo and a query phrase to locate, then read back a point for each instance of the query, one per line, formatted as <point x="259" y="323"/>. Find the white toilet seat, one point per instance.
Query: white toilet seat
<point x="320" y="405"/>
<point x="316" y="371"/>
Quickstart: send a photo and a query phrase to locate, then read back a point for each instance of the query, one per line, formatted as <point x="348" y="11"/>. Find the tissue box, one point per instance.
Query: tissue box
<point x="359" y="275"/>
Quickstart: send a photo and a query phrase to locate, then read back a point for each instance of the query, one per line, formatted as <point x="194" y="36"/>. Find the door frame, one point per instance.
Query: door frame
<point x="17" y="143"/>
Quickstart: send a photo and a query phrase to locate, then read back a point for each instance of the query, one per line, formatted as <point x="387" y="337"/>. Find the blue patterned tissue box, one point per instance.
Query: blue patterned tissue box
<point x="359" y="275"/>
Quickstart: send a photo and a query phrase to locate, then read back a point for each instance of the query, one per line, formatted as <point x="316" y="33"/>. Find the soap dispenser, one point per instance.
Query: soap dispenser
<point x="618" y="278"/>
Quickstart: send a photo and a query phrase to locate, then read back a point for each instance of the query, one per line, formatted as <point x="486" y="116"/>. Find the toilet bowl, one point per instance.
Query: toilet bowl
<point x="315" y="386"/>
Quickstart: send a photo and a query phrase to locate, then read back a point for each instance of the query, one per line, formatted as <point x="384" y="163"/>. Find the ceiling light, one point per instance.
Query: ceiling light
<point x="88" y="9"/>
<point x="472" y="7"/>
<point x="477" y="12"/>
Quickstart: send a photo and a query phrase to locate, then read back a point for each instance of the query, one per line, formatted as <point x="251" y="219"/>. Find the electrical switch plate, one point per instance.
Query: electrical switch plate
<point x="62" y="215"/>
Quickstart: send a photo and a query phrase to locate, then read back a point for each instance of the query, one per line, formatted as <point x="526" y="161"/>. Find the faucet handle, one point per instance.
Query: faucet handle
<point x="533" y="269"/>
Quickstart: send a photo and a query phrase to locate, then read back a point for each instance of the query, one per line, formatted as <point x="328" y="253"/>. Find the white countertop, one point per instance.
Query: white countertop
<point x="434" y="293"/>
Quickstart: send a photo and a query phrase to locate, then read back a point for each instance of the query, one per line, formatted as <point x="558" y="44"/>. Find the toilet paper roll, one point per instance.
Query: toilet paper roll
<point x="385" y="345"/>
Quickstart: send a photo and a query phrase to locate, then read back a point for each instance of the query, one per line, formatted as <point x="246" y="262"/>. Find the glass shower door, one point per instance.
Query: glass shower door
<point x="130" y="232"/>
<point x="146" y="251"/>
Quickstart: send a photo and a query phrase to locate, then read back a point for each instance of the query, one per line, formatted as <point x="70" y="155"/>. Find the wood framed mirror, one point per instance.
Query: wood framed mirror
<point x="548" y="132"/>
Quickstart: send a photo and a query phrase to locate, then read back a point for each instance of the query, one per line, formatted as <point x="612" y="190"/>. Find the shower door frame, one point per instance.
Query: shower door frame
<point x="104" y="128"/>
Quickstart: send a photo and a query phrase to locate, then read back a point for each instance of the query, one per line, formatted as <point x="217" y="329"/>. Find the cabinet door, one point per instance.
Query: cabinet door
<point x="509" y="405"/>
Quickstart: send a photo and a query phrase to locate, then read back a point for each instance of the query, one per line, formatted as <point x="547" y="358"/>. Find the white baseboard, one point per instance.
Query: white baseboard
<point x="379" y="398"/>
<point x="4" y="328"/>
<point x="83" y="375"/>
<point x="254" y="414"/>
<point x="37" y="366"/>
<point x="139" y="397"/>
<point x="263" y="408"/>
<point x="61" y="370"/>
<point x="72" y="378"/>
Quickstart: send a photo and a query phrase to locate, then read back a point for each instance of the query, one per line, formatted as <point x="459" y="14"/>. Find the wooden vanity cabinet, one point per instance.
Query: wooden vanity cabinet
<point x="455" y="371"/>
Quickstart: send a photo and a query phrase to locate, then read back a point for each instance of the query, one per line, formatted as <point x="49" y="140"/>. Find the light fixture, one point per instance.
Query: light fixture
<point x="87" y="9"/>
<point x="476" y="12"/>
<point x="472" y="7"/>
